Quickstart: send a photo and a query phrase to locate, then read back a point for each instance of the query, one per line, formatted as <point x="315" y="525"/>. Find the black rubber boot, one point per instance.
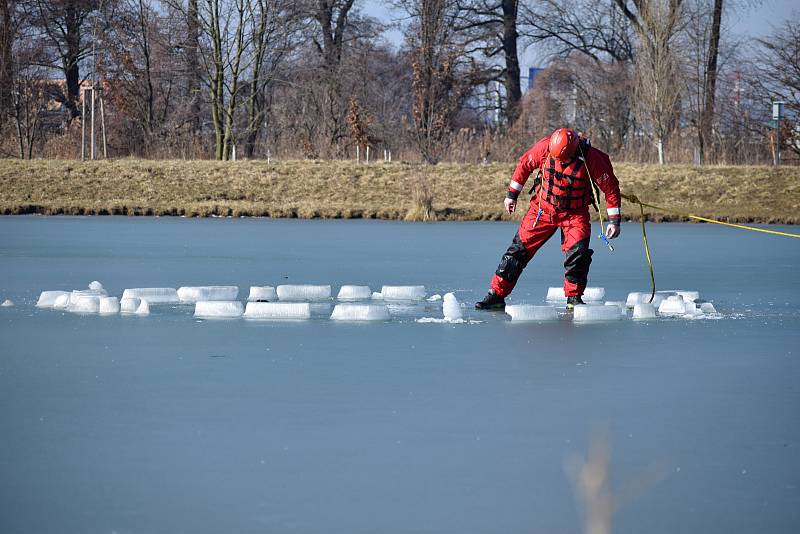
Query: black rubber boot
<point x="573" y="301"/>
<point x="491" y="301"/>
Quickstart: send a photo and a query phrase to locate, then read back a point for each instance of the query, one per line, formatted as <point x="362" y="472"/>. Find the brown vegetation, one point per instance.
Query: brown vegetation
<point x="343" y="189"/>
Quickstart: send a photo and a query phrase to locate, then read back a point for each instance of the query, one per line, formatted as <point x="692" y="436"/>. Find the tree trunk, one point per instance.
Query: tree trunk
<point x="510" y="36"/>
<point x="192" y="65"/>
<point x="6" y="71"/>
<point x="710" y="87"/>
<point x="72" y="56"/>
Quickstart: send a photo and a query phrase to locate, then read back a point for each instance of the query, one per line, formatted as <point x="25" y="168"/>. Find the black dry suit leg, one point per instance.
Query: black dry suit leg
<point x="577" y="261"/>
<point x="514" y="261"/>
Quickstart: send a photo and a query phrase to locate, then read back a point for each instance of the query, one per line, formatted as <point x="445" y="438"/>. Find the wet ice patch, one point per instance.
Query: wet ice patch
<point x="207" y="293"/>
<point x="360" y="312"/>
<point x="403" y="292"/>
<point x="529" y="312"/>
<point x="304" y="292"/>
<point x="351" y="292"/>
<point x="218" y="308"/>
<point x="277" y="310"/>
<point x="153" y="295"/>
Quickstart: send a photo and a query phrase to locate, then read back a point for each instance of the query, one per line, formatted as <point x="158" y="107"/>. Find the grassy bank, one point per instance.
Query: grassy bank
<point x="337" y="189"/>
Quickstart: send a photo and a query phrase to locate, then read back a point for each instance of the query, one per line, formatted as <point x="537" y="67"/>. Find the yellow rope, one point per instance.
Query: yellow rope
<point x="649" y="260"/>
<point x="633" y="198"/>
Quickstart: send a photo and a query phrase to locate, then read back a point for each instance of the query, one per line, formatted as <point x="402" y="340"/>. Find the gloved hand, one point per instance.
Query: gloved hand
<point x="510" y="205"/>
<point x="612" y="231"/>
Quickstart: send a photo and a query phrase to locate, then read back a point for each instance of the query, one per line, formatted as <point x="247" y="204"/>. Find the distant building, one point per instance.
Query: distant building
<point x="532" y="73"/>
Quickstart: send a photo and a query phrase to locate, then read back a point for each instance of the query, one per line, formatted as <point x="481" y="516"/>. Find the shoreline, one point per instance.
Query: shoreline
<point x="386" y="191"/>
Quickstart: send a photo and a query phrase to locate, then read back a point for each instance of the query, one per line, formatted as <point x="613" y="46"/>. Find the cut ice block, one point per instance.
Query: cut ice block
<point x="528" y="312"/>
<point x="262" y="293"/>
<point x="434" y="298"/>
<point x="644" y="310"/>
<point x="278" y="310"/>
<point x="89" y="293"/>
<point x="153" y="295"/>
<point x="635" y="298"/>
<point x="451" y="308"/>
<point x="376" y="295"/>
<point x="691" y="309"/>
<point x="207" y="293"/>
<point x="303" y="292"/>
<point x="403" y="292"/>
<point x="129" y="305"/>
<point x="707" y="307"/>
<point x="590" y="293"/>
<point x="673" y="305"/>
<point x="687" y="295"/>
<point x="618" y="304"/>
<point x="218" y="308"/>
<point x="587" y="313"/>
<point x="555" y="293"/>
<point x="144" y="308"/>
<point x="48" y="298"/>
<point x="84" y="304"/>
<point x="354" y="293"/>
<point x="7" y="303"/>
<point x="62" y="302"/>
<point x="97" y="286"/>
<point x="109" y="305"/>
<point x="360" y="312"/>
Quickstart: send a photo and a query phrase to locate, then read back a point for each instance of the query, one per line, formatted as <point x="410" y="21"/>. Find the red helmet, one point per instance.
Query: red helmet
<point x="563" y="144"/>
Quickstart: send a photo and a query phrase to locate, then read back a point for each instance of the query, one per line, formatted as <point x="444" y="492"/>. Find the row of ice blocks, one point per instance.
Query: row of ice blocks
<point x="286" y="292"/>
<point x="288" y="310"/>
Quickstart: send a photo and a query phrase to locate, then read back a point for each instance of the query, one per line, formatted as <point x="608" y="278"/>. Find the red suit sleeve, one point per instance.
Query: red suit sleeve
<point x="602" y="173"/>
<point x="529" y="162"/>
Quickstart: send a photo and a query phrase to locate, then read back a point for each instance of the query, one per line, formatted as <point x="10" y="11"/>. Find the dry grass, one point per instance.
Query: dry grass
<point x="343" y="189"/>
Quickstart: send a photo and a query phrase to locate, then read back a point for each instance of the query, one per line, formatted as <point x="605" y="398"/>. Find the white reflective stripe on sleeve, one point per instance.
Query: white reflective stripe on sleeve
<point x="516" y="186"/>
<point x="613" y="211"/>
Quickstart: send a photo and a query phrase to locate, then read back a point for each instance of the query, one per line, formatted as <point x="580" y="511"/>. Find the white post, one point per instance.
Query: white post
<point x="233" y="152"/>
<point x="268" y="156"/>
<point x="92" y="156"/>
<point x="358" y="154"/>
<point x="367" y="160"/>
<point x="103" y="126"/>
<point x="83" y="124"/>
<point x="390" y="156"/>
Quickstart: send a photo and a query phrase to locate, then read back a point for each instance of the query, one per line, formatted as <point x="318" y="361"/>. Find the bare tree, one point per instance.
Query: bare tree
<point x="443" y="75"/>
<point x="62" y="24"/>
<point x="596" y="29"/>
<point x="656" y="23"/>
<point x="779" y="76"/>
<point x="493" y="26"/>
<point x="8" y="31"/>
<point x="275" y="26"/>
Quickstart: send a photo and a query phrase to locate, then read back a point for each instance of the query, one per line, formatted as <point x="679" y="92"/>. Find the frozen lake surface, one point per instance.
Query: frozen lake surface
<point x="168" y="423"/>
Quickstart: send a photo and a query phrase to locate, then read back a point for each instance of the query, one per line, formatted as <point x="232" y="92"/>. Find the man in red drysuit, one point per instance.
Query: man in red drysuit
<point x="568" y="165"/>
